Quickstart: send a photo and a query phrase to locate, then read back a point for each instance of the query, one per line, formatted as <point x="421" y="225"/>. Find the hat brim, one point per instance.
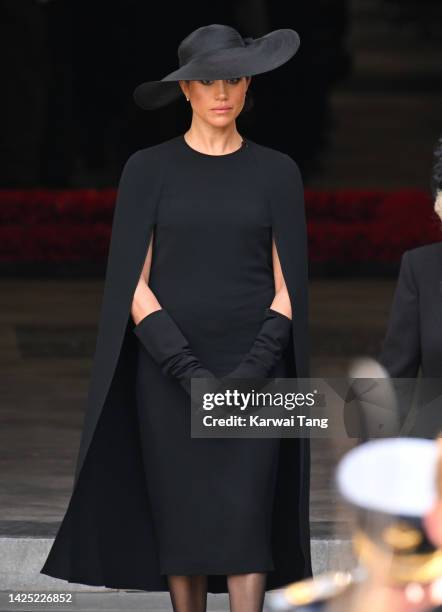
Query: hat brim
<point x="259" y="56"/>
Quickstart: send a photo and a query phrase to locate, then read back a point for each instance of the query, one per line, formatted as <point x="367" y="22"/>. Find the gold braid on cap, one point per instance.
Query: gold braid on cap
<point x="399" y="566"/>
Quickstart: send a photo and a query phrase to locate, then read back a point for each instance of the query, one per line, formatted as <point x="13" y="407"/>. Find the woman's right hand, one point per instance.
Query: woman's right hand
<point x="144" y="301"/>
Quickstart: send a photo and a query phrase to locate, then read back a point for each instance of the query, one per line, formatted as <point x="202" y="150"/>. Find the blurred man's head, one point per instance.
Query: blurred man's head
<point x="436" y="178"/>
<point x="394" y="485"/>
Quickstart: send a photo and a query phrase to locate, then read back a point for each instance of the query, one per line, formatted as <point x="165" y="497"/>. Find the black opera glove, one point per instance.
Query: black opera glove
<point x="267" y="349"/>
<point x="166" y="343"/>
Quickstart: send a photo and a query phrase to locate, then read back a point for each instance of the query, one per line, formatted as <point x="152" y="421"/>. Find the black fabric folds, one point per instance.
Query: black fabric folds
<point x="163" y="339"/>
<point x="267" y="349"/>
<point x="168" y="346"/>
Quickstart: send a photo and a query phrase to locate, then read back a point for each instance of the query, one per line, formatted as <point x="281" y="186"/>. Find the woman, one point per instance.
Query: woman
<point x="206" y="276"/>
<point x="413" y="342"/>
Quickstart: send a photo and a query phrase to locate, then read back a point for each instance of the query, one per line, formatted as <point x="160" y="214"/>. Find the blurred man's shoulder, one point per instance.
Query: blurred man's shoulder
<point x="425" y="252"/>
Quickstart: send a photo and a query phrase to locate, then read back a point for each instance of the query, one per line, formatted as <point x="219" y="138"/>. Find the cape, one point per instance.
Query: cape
<point x="106" y="536"/>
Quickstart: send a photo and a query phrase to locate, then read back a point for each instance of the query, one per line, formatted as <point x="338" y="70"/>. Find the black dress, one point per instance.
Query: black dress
<point x="212" y="499"/>
<point x="149" y="500"/>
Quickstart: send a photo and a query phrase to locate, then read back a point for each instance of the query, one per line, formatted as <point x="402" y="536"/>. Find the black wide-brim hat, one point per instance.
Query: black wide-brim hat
<point x="215" y="52"/>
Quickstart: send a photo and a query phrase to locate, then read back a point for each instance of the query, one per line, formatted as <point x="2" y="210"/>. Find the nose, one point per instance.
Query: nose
<point x="220" y="89"/>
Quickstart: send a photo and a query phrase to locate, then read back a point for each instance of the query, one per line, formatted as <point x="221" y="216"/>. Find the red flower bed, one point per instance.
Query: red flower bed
<point x="350" y="227"/>
<point x="344" y="226"/>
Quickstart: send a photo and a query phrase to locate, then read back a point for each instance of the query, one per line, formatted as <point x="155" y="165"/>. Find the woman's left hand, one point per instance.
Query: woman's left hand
<point x="281" y="302"/>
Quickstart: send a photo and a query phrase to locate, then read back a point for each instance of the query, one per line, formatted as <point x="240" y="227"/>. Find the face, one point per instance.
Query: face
<point x="208" y="96"/>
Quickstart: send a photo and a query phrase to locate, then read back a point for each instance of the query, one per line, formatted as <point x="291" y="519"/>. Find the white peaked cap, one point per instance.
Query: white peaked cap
<point x="391" y="475"/>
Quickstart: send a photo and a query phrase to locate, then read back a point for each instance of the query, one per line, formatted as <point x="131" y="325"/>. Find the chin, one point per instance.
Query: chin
<point x="220" y="121"/>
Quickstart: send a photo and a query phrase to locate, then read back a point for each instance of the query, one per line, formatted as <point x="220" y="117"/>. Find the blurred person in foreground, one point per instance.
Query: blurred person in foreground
<point x="394" y="486"/>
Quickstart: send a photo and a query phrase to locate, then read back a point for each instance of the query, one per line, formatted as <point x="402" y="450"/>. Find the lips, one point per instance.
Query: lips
<point x="222" y="108"/>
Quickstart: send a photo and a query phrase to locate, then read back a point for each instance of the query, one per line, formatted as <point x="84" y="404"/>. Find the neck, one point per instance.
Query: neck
<point x="213" y="140"/>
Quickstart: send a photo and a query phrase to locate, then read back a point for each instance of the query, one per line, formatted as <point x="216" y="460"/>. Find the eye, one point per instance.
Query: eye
<point x="234" y="80"/>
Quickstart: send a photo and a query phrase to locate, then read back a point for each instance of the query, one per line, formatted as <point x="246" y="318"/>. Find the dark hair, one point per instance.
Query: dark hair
<point x="436" y="178"/>
<point x="249" y="101"/>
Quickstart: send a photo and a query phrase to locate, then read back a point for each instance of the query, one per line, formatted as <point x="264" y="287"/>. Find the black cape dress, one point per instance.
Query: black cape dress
<point x="149" y="500"/>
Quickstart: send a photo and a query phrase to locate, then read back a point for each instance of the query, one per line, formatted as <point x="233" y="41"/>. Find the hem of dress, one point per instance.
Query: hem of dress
<point x="224" y="570"/>
<point x="109" y="583"/>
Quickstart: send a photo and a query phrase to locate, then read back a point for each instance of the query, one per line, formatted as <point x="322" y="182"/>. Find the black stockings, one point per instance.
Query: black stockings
<point x="246" y="592"/>
<point x="188" y="593"/>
